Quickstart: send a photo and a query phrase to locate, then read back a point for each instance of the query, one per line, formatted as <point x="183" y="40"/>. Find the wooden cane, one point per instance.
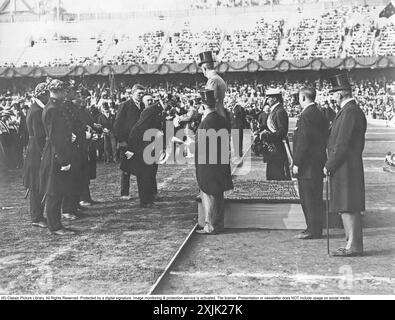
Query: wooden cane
<point x="327" y="212"/>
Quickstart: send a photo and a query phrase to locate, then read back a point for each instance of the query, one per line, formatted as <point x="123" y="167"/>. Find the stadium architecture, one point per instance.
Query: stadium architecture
<point x="323" y="35"/>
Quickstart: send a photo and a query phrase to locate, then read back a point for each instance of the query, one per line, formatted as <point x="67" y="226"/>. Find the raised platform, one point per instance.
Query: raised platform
<point x="259" y="204"/>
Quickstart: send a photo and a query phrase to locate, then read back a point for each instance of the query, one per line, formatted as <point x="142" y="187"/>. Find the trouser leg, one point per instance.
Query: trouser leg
<point x="113" y="146"/>
<point x="241" y="139"/>
<point x="125" y="184"/>
<point x="154" y="183"/>
<point x="107" y="148"/>
<point x="70" y="204"/>
<point x="36" y="207"/>
<point x="145" y="188"/>
<point x="86" y="193"/>
<point x="53" y="207"/>
<point x="353" y="224"/>
<point x="213" y="208"/>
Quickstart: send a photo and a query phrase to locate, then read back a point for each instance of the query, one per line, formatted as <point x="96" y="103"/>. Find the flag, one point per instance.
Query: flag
<point x="388" y="11"/>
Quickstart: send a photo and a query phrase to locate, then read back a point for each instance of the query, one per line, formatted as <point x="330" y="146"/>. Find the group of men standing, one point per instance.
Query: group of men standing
<point x="59" y="162"/>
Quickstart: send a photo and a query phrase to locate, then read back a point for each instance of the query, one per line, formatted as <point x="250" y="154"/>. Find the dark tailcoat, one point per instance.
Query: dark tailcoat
<point x="345" y="164"/>
<point x="127" y="116"/>
<point x="277" y="166"/>
<point x="35" y="128"/>
<point x="262" y="120"/>
<point x="151" y="118"/>
<point x="309" y="143"/>
<point x="58" y="151"/>
<point x="213" y="179"/>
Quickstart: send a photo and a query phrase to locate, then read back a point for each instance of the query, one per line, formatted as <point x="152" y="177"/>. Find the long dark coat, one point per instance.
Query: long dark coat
<point x="151" y="118"/>
<point x="345" y="164"/>
<point x="309" y="143"/>
<point x="58" y="152"/>
<point x="127" y="117"/>
<point x="216" y="178"/>
<point x="31" y="167"/>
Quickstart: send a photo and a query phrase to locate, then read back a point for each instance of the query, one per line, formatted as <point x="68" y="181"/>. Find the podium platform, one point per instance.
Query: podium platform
<point x="258" y="204"/>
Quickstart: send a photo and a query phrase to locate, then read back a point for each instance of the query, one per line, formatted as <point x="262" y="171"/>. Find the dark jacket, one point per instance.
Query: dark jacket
<point x="58" y="151"/>
<point x="262" y="120"/>
<point x="280" y="120"/>
<point x="31" y="167"/>
<point x="345" y="164"/>
<point x="127" y="117"/>
<point x="106" y="123"/>
<point x="238" y="118"/>
<point x="150" y="118"/>
<point x="309" y="143"/>
<point x="214" y="178"/>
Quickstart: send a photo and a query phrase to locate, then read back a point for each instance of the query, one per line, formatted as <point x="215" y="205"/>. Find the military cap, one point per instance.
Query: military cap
<point x="41" y="88"/>
<point x="57" y="85"/>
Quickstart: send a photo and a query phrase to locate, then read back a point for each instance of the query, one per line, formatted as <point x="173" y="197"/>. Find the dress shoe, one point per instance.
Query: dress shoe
<point x="126" y="198"/>
<point x="207" y="230"/>
<point x="63" y="232"/>
<point x="343" y="252"/>
<point x="307" y="236"/>
<point x="69" y="216"/>
<point x="85" y="204"/>
<point x="41" y="224"/>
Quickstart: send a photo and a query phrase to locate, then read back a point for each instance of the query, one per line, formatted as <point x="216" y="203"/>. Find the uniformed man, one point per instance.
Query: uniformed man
<point x="31" y="167"/>
<point x="212" y="160"/>
<point x="345" y="166"/>
<point x="214" y="82"/>
<point x="56" y="168"/>
<point x="277" y="132"/>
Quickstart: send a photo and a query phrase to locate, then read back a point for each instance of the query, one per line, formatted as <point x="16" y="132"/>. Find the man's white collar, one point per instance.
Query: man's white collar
<point x="39" y="103"/>
<point x="210" y="73"/>
<point x="274" y="107"/>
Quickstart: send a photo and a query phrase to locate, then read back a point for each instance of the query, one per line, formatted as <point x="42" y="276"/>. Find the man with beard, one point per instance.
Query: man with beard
<point x="57" y="164"/>
<point x="345" y="166"/>
<point x="128" y="114"/>
<point x="31" y="168"/>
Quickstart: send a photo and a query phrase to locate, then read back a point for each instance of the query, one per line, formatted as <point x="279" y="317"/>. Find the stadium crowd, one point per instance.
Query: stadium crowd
<point x="376" y="98"/>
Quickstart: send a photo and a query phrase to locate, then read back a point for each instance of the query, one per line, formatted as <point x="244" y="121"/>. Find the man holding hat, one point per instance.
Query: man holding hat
<point x="214" y="82"/>
<point x="276" y="132"/>
<point x="56" y="169"/>
<point x="345" y="166"/>
<point x="31" y="167"/>
<point x="128" y="114"/>
<point x="212" y="160"/>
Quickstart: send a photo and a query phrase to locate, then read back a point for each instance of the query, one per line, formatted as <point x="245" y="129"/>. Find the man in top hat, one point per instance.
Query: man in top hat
<point x="214" y="82"/>
<point x="238" y="124"/>
<point x="128" y="114"/>
<point x="56" y="168"/>
<point x="212" y="158"/>
<point x="31" y="167"/>
<point x="309" y="157"/>
<point x="345" y="165"/>
<point x="276" y="132"/>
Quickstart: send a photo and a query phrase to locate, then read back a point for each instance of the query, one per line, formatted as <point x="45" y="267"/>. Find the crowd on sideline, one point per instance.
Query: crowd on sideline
<point x="375" y="97"/>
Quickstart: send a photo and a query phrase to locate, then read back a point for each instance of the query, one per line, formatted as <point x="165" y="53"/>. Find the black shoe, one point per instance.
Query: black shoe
<point x="346" y="253"/>
<point x="307" y="236"/>
<point x="41" y="224"/>
<point x="63" y="232"/>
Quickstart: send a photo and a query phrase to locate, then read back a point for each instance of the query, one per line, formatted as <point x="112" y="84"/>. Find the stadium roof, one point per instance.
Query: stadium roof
<point x="20" y="6"/>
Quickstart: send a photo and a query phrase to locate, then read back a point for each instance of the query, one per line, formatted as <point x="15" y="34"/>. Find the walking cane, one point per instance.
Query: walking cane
<point x="327" y="180"/>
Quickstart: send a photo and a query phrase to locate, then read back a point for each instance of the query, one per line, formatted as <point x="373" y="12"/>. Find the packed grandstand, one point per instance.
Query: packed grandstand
<point x="325" y="32"/>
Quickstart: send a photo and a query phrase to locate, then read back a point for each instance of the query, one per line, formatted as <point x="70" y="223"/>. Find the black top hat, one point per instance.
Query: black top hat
<point x="205" y="57"/>
<point x="208" y="97"/>
<point x="340" y="82"/>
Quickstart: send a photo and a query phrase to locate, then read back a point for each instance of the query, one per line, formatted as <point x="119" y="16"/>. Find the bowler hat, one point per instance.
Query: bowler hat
<point x="208" y="97"/>
<point x="340" y="82"/>
<point x="205" y="57"/>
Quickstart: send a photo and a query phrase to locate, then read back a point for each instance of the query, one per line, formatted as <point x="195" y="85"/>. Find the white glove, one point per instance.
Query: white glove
<point x="73" y="137"/>
<point x="88" y="135"/>
<point x="129" y="154"/>
<point x="66" y="168"/>
<point x="95" y="137"/>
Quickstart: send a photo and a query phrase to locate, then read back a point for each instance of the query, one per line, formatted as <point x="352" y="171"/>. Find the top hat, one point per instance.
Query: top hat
<point x="205" y="57"/>
<point x="340" y="82"/>
<point x="208" y="97"/>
